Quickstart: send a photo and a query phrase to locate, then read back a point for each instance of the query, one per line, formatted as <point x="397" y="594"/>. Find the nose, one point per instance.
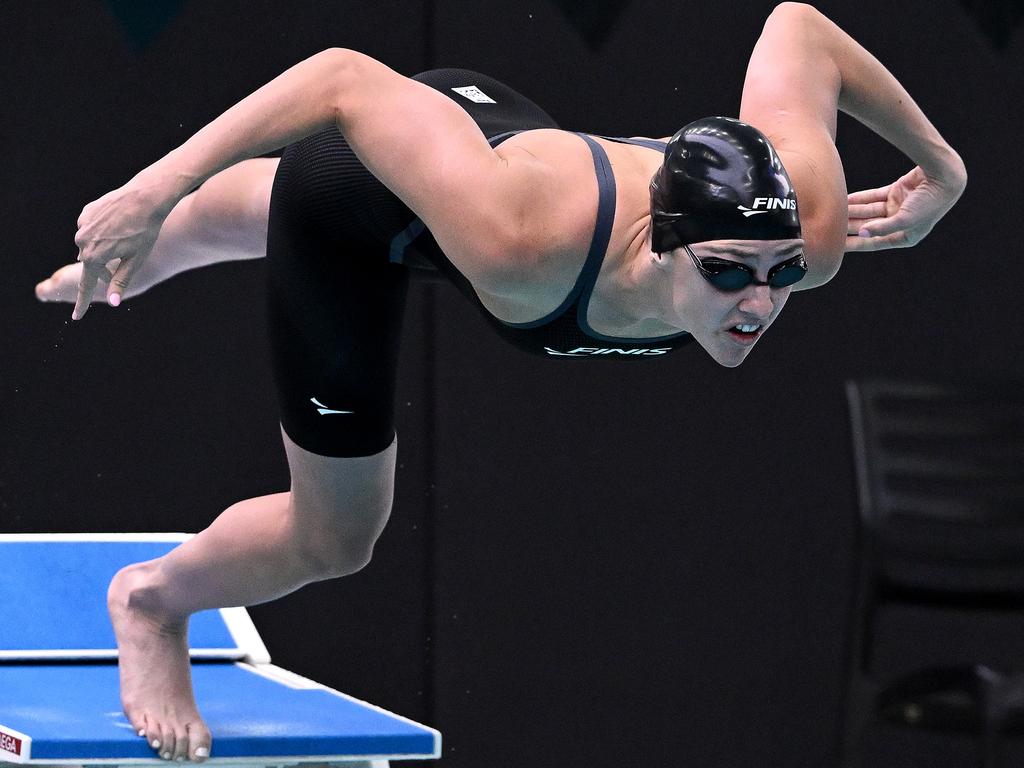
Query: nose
<point x="757" y="302"/>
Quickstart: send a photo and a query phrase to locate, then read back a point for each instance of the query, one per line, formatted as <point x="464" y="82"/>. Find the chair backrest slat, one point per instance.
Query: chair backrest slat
<point x="952" y="454"/>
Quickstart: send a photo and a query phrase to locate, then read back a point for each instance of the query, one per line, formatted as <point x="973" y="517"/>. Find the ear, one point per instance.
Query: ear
<point x="665" y="262"/>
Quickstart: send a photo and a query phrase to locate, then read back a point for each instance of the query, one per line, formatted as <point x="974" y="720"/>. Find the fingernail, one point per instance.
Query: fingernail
<point x="864" y="233"/>
<point x="202" y="752"/>
<point x="155" y="744"/>
<point x="115" y="299"/>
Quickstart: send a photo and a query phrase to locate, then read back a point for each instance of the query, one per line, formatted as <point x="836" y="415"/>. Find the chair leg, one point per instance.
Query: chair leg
<point x="989" y="745"/>
<point x="859" y="708"/>
<point x="989" y="685"/>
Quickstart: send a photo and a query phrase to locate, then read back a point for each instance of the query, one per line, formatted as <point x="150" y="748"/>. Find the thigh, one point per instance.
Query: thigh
<point x="335" y="301"/>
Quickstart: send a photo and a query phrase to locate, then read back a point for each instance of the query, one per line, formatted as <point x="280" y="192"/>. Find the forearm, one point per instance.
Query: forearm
<point x="302" y="101"/>
<point x="870" y="93"/>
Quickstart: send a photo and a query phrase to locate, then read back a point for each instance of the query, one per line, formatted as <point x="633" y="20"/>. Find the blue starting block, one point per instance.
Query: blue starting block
<point x="59" y="696"/>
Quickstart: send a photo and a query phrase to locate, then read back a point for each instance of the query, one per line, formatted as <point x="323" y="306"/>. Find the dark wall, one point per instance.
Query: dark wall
<point x="592" y="564"/>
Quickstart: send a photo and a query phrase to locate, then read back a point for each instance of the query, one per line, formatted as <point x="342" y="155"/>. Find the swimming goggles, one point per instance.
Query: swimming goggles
<point x="730" y="276"/>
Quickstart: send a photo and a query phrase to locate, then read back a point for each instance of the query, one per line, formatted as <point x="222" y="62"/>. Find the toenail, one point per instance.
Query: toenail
<point x="179" y="759"/>
<point x="165" y="755"/>
<point x="202" y="752"/>
<point x="142" y="733"/>
<point x="155" y="744"/>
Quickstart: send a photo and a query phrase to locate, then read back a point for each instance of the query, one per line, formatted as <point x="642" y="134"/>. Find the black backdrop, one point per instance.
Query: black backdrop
<point x="587" y="564"/>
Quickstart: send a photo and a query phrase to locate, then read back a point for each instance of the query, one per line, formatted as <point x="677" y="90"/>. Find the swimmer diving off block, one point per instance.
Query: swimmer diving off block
<point x="572" y="245"/>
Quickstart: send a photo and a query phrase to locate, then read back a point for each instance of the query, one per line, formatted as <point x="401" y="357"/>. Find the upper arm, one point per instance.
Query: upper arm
<point x="791" y="94"/>
<point x="432" y="155"/>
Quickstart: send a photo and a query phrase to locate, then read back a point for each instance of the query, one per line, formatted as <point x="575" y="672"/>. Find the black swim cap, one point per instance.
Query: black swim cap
<point x="721" y="180"/>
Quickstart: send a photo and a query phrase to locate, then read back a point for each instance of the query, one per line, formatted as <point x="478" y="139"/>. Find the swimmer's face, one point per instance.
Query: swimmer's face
<point x="728" y="325"/>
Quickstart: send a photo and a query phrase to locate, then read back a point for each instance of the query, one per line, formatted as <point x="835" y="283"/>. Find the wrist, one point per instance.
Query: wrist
<point x="946" y="166"/>
<point x="164" y="183"/>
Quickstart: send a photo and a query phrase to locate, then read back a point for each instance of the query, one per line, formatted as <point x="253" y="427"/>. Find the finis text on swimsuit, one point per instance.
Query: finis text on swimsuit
<point x="580" y="351"/>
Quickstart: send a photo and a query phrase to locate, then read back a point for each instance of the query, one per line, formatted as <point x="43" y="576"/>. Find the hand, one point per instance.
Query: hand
<point x="901" y="214"/>
<point x="62" y="285"/>
<point x="115" y="235"/>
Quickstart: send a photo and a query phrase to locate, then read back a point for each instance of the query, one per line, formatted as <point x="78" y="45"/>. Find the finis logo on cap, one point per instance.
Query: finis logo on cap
<point x="765" y="204"/>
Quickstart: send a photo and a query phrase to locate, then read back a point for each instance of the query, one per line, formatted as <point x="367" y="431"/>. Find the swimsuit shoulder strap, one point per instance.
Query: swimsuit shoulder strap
<point x="649" y="143"/>
<point x="599" y="241"/>
<point x="605" y="217"/>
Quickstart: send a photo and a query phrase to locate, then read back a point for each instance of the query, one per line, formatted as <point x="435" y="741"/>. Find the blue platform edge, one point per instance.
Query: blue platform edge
<point x="73" y="712"/>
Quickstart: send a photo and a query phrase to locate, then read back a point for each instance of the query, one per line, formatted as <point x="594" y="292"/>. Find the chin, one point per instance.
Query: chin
<point x="728" y="359"/>
<point x="724" y="352"/>
<point x="730" y="363"/>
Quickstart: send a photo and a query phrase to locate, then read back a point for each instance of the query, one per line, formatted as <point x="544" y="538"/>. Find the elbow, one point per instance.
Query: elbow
<point x="793" y="9"/>
<point x="799" y="16"/>
<point x="343" y="68"/>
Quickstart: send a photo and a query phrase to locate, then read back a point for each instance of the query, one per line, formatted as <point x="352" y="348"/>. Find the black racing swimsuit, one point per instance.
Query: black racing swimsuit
<point x="564" y="332"/>
<point x="339" y="249"/>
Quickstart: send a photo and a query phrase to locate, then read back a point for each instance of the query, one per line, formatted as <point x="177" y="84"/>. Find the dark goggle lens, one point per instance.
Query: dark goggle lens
<point x="728" y="276"/>
<point x="788" y="275"/>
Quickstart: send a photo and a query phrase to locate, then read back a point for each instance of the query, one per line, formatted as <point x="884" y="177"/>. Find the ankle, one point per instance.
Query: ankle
<point x="142" y="590"/>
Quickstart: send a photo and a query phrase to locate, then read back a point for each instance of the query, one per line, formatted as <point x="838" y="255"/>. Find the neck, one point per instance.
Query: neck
<point x="633" y="295"/>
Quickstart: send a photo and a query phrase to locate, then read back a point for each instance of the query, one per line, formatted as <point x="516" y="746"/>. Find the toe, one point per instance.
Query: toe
<point x="152" y="732"/>
<point x="199" y="742"/>
<point x="137" y="723"/>
<point x="167" y="748"/>
<point x="180" y="745"/>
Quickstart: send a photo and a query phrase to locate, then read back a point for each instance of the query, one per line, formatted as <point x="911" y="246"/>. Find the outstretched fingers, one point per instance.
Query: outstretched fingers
<point x="865" y="211"/>
<point x="880" y="243"/>
<point x="91" y="273"/>
<point x="120" y="280"/>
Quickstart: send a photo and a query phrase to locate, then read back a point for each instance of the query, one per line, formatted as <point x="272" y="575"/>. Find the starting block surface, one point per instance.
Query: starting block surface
<point x="59" y="698"/>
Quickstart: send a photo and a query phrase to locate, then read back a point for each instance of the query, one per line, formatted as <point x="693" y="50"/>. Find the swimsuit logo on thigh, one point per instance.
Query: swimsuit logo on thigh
<point x="323" y="410"/>
<point x="589" y="351"/>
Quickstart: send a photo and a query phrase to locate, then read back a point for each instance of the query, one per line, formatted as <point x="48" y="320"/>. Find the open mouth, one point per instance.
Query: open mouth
<point x="745" y="334"/>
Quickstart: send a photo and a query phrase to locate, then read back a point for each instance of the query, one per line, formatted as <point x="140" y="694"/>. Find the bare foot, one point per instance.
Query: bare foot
<point x="156" y="677"/>
<point x="62" y="285"/>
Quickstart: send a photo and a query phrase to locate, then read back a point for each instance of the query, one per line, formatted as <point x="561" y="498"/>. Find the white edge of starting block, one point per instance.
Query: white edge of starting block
<point x="240" y="626"/>
<point x="298" y="682"/>
<point x="15" y="746"/>
<point x="245" y="635"/>
<point x="360" y="761"/>
<point x="163" y="537"/>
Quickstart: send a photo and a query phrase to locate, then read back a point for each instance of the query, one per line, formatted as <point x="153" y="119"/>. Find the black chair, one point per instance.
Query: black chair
<point x="940" y="475"/>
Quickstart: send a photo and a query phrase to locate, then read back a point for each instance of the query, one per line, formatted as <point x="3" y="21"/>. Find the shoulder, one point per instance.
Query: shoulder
<point x="549" y="197"/>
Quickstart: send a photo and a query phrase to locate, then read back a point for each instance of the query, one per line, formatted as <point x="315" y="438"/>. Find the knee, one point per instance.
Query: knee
<point x="329" y="559"/>
<point x="343" y="543"/>
<point x="339" y="506"/>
